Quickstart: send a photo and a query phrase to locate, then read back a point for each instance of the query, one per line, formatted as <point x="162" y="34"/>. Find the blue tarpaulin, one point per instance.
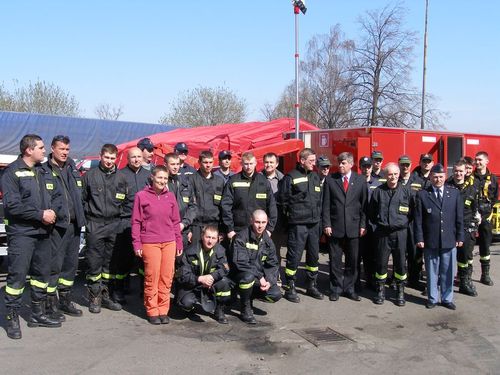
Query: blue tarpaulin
<point x="86" y="135"/>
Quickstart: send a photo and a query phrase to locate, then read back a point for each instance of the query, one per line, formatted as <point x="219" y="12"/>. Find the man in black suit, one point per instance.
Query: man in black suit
<point x="439" y="230"/>
<point x="344" y="222"/>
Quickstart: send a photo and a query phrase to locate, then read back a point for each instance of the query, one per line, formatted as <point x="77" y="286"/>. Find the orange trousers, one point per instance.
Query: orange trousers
<point x="159" y="264"/>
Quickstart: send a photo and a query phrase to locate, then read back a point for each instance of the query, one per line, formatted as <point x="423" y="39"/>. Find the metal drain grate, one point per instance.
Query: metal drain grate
<point x="320" y="336"/>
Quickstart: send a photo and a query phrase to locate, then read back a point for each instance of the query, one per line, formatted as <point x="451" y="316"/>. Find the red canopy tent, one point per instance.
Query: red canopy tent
<point x="259" y="137"/>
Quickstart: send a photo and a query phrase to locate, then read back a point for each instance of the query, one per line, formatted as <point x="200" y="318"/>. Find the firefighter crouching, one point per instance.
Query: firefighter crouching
<point x="389" y="210"/>
<point x="472" y="219"/>
<point x="27" y="198"/>
<point x="203" y="270"/>
<point x="104" y="194"/>
<point x="254" y="265"/>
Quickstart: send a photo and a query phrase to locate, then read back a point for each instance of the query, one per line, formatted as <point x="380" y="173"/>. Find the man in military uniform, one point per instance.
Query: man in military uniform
<point x="439" y="231"/>
<point x="203" y="269"/>
<point x="254" y="265"/>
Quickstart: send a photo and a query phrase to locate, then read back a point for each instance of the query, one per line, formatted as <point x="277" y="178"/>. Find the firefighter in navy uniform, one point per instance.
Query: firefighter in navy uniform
<point x="66" y="235"/>
<point x="204" y="267"/>
<point x="122" y="261"/>
<point x="254" y="265"/>
<point x="104" y="195"/>
<point x="29" y="218"/>
<point x="245" y="192"/>
<point x="183" y="190"/>
<point x="488" y="194"/>
<point x="208" y="190"/>
<point x="390" y="210"/>
<point x="377" y="170"/>
<point x="300" y="198"/>
<point x="472" y="218"/>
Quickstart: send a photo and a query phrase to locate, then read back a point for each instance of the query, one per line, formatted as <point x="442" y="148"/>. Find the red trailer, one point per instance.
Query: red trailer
<point x="446" y="147"/>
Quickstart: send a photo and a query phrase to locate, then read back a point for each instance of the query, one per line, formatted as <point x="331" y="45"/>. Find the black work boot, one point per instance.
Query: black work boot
<point x="400" y="299"/>
<point x="66" y="306"/>
<point x="470" y="270"/>
<point x="13" y="327"/>
<point x="95" y="301"/>
<point x="38" y="317"/>
<point x="118" y="292"/>
<point x="312" y="290"/>
<point x="219" y="314"/>
<point x="464" y="286"/>
<point x="52" y="308"/>
<point x="380" y="297"/>
<point x="246" y="312"/>
<point x="485" y="274"/>
<point x="108" y="303"/>
<point x="291" y="292"/>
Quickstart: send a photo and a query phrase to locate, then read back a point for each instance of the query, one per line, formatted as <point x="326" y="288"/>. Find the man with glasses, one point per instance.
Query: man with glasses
<point x="181" y="149"/>
<point x="422" y="172"/>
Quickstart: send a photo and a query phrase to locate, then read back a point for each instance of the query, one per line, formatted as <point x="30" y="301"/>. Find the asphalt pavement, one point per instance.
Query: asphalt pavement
<point x="315" y="337"/>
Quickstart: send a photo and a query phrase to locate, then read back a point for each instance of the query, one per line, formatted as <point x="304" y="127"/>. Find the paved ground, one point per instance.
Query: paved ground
<point x="380" y="339"/>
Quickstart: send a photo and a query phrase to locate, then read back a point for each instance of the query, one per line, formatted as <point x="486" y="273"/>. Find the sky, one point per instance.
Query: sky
<point x="143" y="54"/>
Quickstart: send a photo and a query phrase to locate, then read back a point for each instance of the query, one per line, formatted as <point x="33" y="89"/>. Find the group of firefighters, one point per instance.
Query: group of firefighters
<point x="233" y="226"/>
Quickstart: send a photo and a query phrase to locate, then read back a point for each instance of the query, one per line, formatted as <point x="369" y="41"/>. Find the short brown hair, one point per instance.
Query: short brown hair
<point x="109" y="148"/>
<point x="28" y="141"/>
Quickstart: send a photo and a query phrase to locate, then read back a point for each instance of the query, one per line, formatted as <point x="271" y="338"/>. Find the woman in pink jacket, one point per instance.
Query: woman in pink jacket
<point x="157" y="239"/>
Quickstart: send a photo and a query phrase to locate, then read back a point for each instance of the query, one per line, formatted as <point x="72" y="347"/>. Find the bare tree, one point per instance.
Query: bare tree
<point x="105" y="111"/>
<point x="39" y="97"/>
<point x="205" y="106"/>
<point x="326" y="87"/>
<point x="384" y="96"/>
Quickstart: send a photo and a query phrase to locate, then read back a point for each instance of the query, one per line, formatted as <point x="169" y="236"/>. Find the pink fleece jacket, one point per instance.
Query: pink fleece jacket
<point x="155" y="218"/>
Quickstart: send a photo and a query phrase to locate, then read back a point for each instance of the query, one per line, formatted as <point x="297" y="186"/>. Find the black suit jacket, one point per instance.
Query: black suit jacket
<point x="344" y="212"/>
<point x="439" y="226"/>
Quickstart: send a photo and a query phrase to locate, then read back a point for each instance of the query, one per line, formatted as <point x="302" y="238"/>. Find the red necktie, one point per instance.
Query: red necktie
<point x="346" y="183"/>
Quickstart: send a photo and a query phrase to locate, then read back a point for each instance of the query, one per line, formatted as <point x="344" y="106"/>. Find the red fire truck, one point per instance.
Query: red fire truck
<point x="445" y="146"/>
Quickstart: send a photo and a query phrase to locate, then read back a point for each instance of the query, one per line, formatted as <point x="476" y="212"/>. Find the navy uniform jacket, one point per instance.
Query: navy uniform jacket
<point x="439" y="227"/>
<point x="345" y="212"/>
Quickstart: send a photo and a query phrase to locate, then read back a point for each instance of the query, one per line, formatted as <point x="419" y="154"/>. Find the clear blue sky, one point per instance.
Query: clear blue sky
<point x="141" y="54"/>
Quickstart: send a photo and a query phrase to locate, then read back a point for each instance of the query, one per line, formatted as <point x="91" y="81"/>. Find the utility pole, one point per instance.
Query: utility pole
<point x="422" y="114"/>
<point x="298" y="6"/>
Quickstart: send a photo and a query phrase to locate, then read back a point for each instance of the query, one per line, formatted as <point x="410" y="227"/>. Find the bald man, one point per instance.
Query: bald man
<point x="254" y="265"/>
<point x="123" y="255"/>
